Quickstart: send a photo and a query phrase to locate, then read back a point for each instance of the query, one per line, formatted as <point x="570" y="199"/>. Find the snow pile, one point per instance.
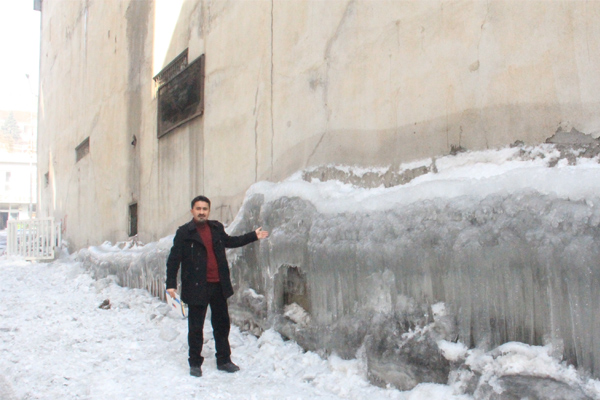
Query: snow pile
<point x="520" y="370"/>
<point x="477" y="174"/>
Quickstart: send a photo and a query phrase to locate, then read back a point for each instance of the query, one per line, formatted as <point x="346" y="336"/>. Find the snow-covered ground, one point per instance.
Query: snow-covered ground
<point x="56" y="343"/>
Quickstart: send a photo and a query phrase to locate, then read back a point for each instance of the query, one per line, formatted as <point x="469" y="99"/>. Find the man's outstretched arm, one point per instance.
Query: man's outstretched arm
<point x="239" y="241"/>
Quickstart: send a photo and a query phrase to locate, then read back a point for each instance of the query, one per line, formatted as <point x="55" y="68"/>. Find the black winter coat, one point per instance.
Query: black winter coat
<point x="189" y="251"/>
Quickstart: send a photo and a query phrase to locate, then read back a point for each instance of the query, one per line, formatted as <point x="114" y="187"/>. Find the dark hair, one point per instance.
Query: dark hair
<point x="200" y="198"/>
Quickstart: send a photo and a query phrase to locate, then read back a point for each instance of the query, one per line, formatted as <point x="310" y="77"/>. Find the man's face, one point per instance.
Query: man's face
<point x="200" y="212"/>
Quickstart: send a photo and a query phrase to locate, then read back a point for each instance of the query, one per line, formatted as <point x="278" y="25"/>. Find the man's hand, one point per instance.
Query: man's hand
<point x="261" y="234"/>
<point x="172" y="292"/>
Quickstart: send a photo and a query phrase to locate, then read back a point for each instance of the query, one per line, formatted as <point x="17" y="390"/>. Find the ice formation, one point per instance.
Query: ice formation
<point x="425" y="261"/>
<point x="507" y="240"/>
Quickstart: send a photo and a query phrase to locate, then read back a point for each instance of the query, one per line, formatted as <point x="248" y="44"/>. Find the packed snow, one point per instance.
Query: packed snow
<point x="66" y="335"/>
<point x="475" y="174"/>
<point x="57" y="342"/>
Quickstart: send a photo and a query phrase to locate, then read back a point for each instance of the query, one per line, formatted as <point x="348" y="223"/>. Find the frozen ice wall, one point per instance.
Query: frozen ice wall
<point x="410" y="265"/>
<point x="507" y="241"/>
<point x="128" y="264"/>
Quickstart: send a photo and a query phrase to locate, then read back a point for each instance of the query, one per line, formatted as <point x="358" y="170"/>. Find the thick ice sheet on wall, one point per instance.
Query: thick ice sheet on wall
<point x="512" y="262"/>
<point x="129" y="264"/>
<point x="489" y="248"/>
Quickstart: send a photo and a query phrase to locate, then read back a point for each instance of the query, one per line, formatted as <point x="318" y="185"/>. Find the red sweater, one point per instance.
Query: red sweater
<point x="212" y="270"/>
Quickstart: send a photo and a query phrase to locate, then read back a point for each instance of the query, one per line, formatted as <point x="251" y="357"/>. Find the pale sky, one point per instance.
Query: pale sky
<point x="19" y="55"/>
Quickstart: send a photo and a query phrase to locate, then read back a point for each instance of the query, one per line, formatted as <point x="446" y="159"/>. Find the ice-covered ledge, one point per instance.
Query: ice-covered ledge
<point x="505" y="239"/>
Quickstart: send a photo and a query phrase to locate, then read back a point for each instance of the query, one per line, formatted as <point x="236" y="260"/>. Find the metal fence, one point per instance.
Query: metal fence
<point x="33" y="239"/>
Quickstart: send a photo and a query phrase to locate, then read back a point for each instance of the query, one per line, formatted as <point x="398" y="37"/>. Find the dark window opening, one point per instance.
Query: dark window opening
<point x="180" y="94"/>
<point x="46" y="179"/>
<point x="133" y="219"/>
<point x="294" y="288"/>
<point x="83" y="149"/>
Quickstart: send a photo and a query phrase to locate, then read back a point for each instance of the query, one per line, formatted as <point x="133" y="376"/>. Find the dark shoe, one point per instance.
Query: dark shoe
<point x="196" y="371"/>
<point x="228" y="367"/>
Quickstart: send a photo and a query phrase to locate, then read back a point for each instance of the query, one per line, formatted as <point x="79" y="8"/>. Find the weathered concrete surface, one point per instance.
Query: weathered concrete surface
<point x="291" y="85"/>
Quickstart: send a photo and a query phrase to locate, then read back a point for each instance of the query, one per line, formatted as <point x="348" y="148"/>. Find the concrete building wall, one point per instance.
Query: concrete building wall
<point x="288" y="85"/>
<point x="90" y="89"/>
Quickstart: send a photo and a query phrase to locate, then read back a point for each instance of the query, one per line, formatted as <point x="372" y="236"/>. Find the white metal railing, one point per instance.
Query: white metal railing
<point x="33" y="239"/>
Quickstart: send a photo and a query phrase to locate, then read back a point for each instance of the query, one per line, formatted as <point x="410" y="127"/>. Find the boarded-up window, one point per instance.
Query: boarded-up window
<point x="180" y="94"/>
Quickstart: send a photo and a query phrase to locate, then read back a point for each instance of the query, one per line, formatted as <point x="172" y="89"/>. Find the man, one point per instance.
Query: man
<point x="199" y="247"/>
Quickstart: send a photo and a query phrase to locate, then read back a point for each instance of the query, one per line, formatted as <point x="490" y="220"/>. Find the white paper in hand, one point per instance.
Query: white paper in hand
<point x="177" y="305"/>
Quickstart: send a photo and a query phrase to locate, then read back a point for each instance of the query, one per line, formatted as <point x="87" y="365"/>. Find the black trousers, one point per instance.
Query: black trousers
<point x="220" y="324"/>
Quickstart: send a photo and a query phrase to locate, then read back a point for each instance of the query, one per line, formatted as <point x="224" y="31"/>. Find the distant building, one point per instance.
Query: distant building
<point x="18" y="160"/>
<point x="145" y="104"/>
<point x="26" y="125"/>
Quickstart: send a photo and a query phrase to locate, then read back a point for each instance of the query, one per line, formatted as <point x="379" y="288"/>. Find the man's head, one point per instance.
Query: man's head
<point x="200" y="209"/>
